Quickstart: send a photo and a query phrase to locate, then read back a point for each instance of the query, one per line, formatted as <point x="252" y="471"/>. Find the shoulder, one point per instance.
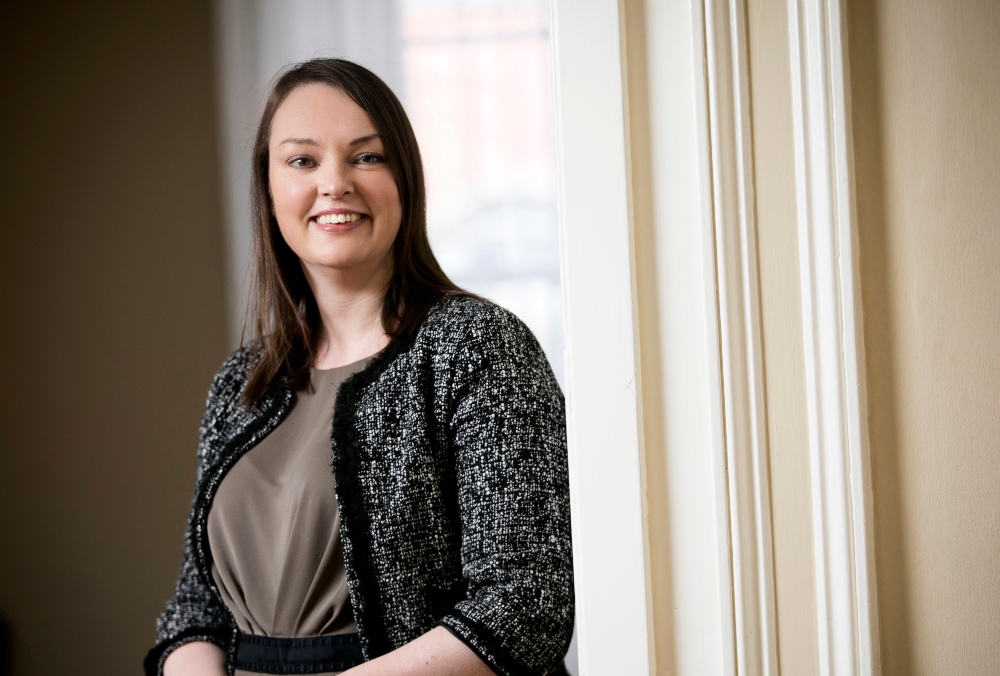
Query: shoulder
<point x="224" y="414"/>
<point x="232" y="376"/>
<point x="469" y="336"/>
<point x="465" y="321"/>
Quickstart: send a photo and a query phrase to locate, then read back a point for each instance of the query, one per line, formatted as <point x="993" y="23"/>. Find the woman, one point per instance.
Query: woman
<point x="439" y="543"/>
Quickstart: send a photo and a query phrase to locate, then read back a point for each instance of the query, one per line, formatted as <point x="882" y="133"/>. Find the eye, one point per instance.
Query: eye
<point x="301" y="162"/>
<point x="369" y="158"/>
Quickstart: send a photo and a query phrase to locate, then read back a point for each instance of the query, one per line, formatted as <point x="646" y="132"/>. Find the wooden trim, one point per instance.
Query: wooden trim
<point x="833" y="340"/>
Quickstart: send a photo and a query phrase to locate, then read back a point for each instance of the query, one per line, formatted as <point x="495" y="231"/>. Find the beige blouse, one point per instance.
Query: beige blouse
<point x="273" y="527"/>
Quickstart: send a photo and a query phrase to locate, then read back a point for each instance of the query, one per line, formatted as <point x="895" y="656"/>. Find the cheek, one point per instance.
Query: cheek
<point x="391" y="206"/>
<point x="290" y="197"/>
<point x="288" y="201"/>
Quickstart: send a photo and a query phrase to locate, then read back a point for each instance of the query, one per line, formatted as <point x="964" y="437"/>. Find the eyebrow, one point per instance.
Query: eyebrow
<point x="299" y="141"/>
<point x="310" y="142"/>
<point x="364" y="139"/>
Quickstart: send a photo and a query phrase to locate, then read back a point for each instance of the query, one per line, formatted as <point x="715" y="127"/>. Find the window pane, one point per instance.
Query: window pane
<point x="479" y="94"/>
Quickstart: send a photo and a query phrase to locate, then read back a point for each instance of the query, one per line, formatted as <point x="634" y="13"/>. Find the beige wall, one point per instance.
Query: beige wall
<point x="926" y="116"/>
<point x="926" y="87"/>
<point x="111" y="295"/>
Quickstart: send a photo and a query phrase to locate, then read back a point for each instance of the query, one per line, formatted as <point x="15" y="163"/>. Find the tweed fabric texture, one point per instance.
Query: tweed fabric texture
<point x="449" y="456"/>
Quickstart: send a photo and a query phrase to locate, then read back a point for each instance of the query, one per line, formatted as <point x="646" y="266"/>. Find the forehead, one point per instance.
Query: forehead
<point x="322" y="113"/>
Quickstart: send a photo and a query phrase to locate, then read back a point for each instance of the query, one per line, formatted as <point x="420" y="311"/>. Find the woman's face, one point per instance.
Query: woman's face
<point x="334" y="195"/>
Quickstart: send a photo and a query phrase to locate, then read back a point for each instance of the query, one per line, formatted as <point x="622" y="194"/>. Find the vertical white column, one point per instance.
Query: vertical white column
<point x="832" y="340"/>
<point x="742" y="387"/>
<point x="601" y="362"/>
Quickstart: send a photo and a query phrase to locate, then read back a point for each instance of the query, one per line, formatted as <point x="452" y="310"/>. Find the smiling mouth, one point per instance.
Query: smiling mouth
<point x="331" y="219"/>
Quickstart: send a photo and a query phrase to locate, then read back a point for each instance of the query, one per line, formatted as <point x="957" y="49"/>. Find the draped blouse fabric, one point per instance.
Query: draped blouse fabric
<point x="274" y="530"/>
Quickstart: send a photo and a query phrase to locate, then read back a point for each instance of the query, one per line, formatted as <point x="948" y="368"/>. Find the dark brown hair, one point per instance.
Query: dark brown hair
<point x="281" y="309"/>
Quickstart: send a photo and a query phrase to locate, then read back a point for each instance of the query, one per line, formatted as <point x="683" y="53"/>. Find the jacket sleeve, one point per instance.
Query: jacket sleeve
<point x="509" y="439"/>
<point x="194" y="613"/>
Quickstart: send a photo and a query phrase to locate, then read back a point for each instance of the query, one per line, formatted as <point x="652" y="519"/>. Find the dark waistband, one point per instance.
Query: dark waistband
<point x="312" y="655"/>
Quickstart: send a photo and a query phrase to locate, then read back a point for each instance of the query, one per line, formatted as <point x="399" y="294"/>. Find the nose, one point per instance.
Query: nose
<point x="335" y="180"/>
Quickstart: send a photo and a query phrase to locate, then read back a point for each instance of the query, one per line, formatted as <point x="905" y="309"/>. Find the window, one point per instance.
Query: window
<point x="479" y="94"/>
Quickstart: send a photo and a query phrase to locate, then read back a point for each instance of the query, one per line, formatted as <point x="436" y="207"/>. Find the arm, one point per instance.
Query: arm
<point x="506" y="429"/>
<point x="193" y="614"/>
<point x="508" y="434"/>
<point x="197" y="658"/>
<point x="436" y="653"/>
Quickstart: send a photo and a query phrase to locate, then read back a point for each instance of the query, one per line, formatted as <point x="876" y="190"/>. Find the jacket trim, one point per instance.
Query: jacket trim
<point x="257" y="429"/>
<point x="490" y="662"/>
<point x="355" y="525"/>
<point x="500" y="660"/>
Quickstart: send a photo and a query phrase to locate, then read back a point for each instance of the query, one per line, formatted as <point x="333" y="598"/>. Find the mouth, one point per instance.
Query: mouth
<point x="337" y="220"/>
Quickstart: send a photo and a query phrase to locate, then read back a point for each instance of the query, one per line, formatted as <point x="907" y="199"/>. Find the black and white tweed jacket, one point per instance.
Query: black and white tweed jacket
<point x="449" y="455"/>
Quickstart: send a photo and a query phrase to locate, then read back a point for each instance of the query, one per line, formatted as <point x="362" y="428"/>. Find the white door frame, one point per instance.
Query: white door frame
<point x="601" y="376"/>
<point x="833" y="340"/>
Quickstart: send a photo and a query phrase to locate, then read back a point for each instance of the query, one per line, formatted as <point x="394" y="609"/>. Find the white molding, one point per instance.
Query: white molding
<point x="832" y="340"/>
<point x="742" y="387"/>
<point x="695" y="620"/>
<point x="601" y="361"/>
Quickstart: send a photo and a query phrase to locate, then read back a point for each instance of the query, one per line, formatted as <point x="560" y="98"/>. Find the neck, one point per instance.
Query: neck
<point x="350" y="311"/>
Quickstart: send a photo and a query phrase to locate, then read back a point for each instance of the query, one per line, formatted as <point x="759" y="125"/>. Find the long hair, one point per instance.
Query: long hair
<point x="281" y="309"/>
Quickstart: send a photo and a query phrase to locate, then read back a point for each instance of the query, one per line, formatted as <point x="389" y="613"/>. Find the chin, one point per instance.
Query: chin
<point x="342" y="260"/>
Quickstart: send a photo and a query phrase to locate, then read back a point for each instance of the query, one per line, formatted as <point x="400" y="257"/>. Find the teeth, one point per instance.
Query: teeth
<point x="327" y="219"/>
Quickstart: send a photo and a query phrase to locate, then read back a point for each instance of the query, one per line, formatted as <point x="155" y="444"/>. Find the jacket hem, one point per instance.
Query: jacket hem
<point x="482" y="642"/>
